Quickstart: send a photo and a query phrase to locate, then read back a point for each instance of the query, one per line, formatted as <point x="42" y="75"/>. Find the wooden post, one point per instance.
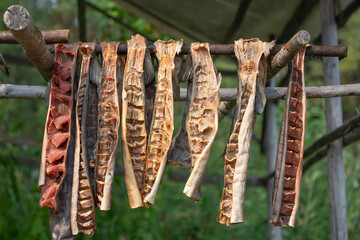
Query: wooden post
<point x="270" y="147"/>
<point x="21" y="25"/>
<point x="337" y="191"/>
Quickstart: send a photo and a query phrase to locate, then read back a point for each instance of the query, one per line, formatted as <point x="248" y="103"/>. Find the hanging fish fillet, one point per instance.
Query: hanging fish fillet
<point x="202" y="119"/>
<point x="134" y="135"/>
<point x="82" y="199"/>
<point x="179" y="151"/>
<point x="58" y="126"/>
<point x="162" y="124"/>
<point x="55" y="177"/>
<point x="288" y="170"/>
<point x="250" y="54"/>
<point x="108" y="125"/>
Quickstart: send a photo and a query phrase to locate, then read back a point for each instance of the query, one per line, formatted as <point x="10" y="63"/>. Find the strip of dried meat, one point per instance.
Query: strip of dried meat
<point x="83" y="204"/>
<point x="57" y="126"/>
<point x="162" y="124"/>
<point x="55" y="177"/>
<point x="202" y="119"/>
<point x="134" y="134"/>
<point x="250" y="54"/>
<point x="108" y="125"/>
<point x="288" y="169"/>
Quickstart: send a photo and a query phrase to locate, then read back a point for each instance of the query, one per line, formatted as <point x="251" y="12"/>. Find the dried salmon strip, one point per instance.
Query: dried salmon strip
<point x="202" y="119"/>
<point x="162" y="124"/>
<point x="108" y="125"/>
<point x="133" y="128"/>
<point x="57" y="126"/>
<point x="82" y="203"/>
<point x="288" y="169"/>
<point x="250" y="54"/>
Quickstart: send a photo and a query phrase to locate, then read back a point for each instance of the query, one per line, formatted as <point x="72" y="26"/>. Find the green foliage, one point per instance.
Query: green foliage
<point x="173" y="216"/>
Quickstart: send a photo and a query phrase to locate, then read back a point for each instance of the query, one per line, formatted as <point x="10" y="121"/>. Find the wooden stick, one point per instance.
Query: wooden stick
<point x="22" y="91"/>
<point x="21" y="25"/>
<point x="288" y="51"/>
<point x="228" y="49"/>
<point x="227" y="94"/>
<point x="50" y="36"/>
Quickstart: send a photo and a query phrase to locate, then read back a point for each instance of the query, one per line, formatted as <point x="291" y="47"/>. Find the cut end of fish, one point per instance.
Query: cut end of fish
<point x="192" y="193"/>
<point x="282" y="223"/>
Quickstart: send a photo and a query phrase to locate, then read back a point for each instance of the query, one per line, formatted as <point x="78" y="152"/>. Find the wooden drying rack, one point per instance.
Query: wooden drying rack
<point x="38" y="48"/>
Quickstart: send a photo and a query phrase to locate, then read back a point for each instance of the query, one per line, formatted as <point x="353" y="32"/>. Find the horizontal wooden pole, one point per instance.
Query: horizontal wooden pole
<point x="228" y="49"/>
<point x="22" y="91"/>
<point x="50" y="36"/>
<point x="226" y="94"/>
<point x="273" y="93"/>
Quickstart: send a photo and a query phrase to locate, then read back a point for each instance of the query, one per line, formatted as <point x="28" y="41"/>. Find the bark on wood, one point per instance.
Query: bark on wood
<point x="50" y="36"/>
<point x="288" y="51"/>
<point x="337" y="187"/>
<point x="21" y="25"/>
